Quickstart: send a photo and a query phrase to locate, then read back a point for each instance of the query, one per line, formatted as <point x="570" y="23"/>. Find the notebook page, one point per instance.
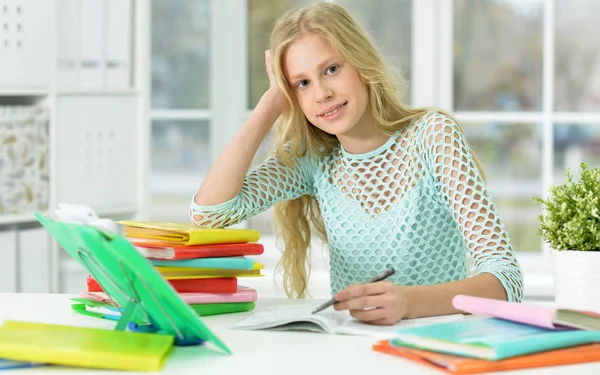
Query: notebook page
<point x="294" y="317"/>
<point x="356" y="327"/>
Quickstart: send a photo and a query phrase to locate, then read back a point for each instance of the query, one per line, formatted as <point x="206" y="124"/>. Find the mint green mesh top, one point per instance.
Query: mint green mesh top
<point x="417" y="203"/>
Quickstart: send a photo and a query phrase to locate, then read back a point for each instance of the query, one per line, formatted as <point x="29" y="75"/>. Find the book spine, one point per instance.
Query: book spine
<point x="545" y="342"/>
<point x="205" y="285"/>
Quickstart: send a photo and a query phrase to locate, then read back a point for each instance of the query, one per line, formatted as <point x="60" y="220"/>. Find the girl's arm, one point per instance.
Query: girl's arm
<point x="498" y="274"/>
<point x="269" y="183"/>
<point x="224" y="179"/>
<point x="461" y="185"/>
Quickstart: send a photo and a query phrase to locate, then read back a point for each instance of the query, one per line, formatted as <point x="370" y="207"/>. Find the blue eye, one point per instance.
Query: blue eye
<point x="333" y="69"/>
<point x="302" y="83"/>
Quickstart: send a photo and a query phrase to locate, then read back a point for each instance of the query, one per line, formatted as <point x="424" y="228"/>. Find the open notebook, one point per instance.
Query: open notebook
<point x="298" y="317"/>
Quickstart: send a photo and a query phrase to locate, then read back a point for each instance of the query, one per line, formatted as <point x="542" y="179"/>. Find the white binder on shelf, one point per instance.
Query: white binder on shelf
<point x="118" y="43"/>
<point x="67" y="28"/>
<point x="25" y="45"/>
<point x="8" y="261"/>
<point x="91" y="43"/>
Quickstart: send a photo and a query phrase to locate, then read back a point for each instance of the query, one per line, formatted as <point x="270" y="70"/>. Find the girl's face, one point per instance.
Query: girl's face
<point x="330" y="92"/>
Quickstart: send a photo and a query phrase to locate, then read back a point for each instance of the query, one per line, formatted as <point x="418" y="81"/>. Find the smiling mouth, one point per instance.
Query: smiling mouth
<point x="333" y="111"/>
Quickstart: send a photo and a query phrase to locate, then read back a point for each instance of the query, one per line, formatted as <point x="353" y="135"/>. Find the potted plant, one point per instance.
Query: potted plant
<point x="570" y="224"/>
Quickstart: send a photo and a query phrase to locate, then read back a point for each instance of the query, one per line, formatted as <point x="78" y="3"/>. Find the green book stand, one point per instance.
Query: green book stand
<point x="131" y="282"/>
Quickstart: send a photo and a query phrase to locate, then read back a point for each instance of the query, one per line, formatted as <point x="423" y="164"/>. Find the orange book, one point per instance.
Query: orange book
<point x="452" y="364"/>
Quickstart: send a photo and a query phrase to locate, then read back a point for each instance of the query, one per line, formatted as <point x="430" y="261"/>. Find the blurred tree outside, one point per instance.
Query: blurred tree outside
<point x="498" y="55"/>
<point x="577" y="64"/>
<point x="180" y="54"/>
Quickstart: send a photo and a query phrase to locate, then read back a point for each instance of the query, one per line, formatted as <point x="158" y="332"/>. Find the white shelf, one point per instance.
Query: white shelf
<point x="7" y="219"/>
<point x="115" y="92"/>
<point x="87" y="63"/>
<point x="24" y="92"/>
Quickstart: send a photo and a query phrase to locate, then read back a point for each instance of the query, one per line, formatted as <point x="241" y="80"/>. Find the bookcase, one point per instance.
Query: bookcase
<point x="74" y="88"/>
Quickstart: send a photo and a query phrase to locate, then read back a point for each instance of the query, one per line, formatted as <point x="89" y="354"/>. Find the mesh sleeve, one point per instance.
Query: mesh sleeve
<point x="271" y="182"/>
<point x="462" y="187"/>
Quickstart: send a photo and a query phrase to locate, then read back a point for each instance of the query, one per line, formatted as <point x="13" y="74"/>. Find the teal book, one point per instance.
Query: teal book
<point x="232" y="263"/>
<point x="490" y="338"/>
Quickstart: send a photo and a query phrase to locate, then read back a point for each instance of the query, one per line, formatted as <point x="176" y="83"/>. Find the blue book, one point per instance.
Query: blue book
<point x="232" y="263"/>
<point x="490" y="338"/>
<point x="7" y="364"/>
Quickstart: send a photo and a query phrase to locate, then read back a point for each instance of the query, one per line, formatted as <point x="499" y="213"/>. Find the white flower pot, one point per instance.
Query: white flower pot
<point x="577" y="279"/>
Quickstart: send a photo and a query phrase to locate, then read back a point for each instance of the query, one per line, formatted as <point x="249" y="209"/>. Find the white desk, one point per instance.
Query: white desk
<point x="254" y="352"/>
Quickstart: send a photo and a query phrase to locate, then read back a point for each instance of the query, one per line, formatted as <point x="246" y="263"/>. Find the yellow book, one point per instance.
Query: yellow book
<point x="187" y="234"/>
<point x="172" y="273"/>
<point x="83" y="347"/>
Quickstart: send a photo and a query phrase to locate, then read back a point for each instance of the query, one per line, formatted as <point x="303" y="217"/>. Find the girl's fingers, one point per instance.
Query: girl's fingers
<point x="370" y="316"/>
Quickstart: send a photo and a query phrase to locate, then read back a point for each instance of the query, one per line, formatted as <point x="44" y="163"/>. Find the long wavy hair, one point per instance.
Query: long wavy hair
<point x="297" y="219"/>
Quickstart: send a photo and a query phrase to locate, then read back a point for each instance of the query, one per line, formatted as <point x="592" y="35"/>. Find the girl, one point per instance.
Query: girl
<point x="385" y="185"/>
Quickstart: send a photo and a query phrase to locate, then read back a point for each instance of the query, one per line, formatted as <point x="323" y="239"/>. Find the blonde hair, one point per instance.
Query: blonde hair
<point x="295" y="137"/>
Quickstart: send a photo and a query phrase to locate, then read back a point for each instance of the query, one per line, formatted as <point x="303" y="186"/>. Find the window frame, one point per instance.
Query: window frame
<point x="228" y="97"/>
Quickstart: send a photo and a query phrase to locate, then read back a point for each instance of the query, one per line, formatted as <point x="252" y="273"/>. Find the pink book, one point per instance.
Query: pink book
<point x="535" y="315"/>
<point x="243" y="294"/>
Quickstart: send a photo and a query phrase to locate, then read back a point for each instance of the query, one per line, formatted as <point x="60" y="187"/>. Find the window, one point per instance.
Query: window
<point x="511" y="155"/>
<point x="577" y="65"/>
<point x="498" y="70"/>
<point x="180" y="129"/>
<point x="180" y="54"/>
<point x="180" y="157"/>
<point x="523" y="75"/>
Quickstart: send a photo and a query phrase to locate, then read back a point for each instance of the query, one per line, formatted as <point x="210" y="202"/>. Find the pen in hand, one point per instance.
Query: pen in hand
<point x="333" y="301"/>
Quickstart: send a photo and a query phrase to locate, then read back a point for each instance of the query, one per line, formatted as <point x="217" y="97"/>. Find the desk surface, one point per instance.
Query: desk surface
<point x="254" y="352"/>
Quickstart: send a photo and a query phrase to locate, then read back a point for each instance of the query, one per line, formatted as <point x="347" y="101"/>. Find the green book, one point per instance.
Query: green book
<point x="104" y="310"/>
<point x="207" y="309"/>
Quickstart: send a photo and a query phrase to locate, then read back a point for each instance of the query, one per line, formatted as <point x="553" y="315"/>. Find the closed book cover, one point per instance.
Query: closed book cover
<point x="453" y="364"/>
<point x="157" y="250"/>
<point x="491" y="338"/>
<point x="187" y="234"/>
<point x="207" y="309"/>
<point x="243" y="294"/>
<point x="231" y="263"/>
<point x="206" y="285"/>
<point x="103" y="310"/>
<point x="6" y="364"/>
<point x="171" y="273"/>
<point x="541" y="316"/>
<point x="83" y="347"/>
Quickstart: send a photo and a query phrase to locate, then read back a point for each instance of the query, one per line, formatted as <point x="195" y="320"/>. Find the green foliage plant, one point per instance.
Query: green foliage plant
<point x="571" y="220"/>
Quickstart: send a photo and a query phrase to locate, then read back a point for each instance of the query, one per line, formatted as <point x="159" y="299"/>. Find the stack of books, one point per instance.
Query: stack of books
<point x="202" y="265"/>
<point x="500" y="336"/>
